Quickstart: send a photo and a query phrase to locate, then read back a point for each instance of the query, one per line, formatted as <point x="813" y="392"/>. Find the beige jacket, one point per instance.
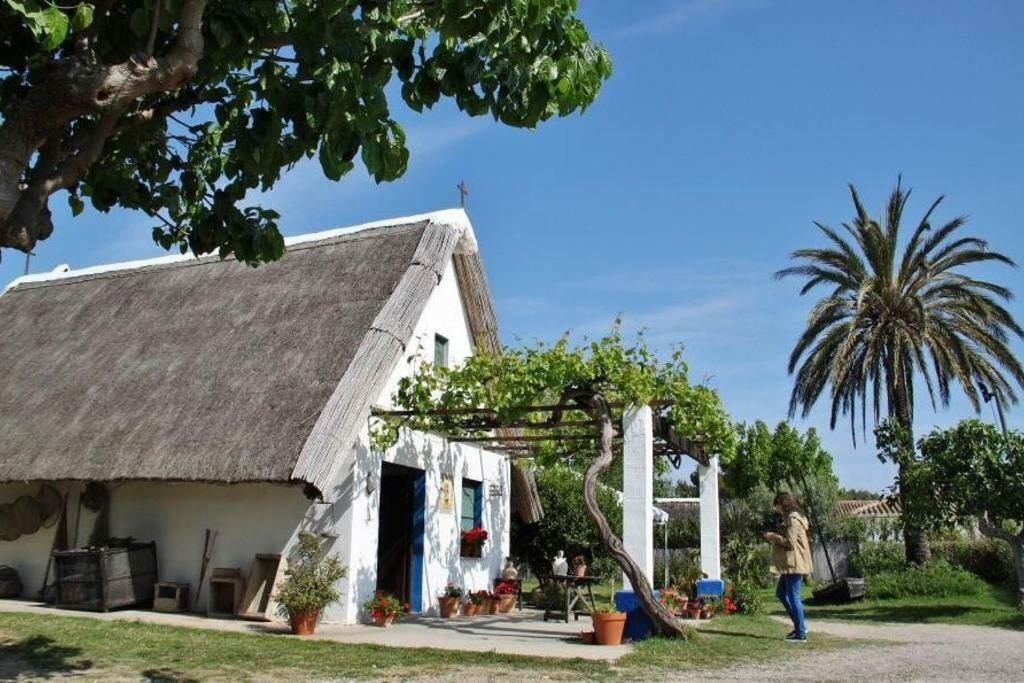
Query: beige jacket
<point x="792" y="555"/>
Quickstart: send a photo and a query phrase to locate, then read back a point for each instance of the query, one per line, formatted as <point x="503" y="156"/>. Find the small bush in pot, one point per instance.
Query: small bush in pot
<point x="474" y="603"/>
<point x="449" y="599"/>
<point x="507" y="592"/>
<point x="579" y="565"/>
<point x="609" y="625"/>
<point x="309" y="586"/>
<point x="384" y="607"/>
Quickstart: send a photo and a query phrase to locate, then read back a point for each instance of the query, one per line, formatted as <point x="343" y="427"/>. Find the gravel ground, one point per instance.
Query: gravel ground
<point x="911" y="652"/>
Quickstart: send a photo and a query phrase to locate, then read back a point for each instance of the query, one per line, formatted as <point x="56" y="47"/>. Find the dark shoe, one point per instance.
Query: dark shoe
<point x="796" y="638"/>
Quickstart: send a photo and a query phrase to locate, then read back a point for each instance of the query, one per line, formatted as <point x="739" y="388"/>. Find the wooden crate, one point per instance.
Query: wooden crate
<point x="102" y="579"/>
<point x="170" y="597"/>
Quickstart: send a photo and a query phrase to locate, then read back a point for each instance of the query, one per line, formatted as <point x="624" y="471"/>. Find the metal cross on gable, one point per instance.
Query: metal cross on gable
<point x="463" y="193"/>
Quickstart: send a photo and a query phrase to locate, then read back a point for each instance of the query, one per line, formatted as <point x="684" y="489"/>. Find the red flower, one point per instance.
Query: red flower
<point x="730" y="606"/>
<point x="474" y="536"/>
<point x="506" y="588"/>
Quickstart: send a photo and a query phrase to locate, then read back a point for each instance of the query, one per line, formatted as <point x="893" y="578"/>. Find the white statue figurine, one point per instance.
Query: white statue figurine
<point x="560" y="566"/>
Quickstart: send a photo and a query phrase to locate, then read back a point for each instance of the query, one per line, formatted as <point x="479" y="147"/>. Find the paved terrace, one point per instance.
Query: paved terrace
<point x="518" y="632"/>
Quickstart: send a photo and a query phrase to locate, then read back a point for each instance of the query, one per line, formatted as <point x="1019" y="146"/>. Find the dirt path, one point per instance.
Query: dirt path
<point x="911" y="652"/>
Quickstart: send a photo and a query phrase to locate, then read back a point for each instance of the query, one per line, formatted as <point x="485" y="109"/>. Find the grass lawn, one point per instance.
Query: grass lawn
<point x="51" y="646"/>
<point x="994" y="607"/>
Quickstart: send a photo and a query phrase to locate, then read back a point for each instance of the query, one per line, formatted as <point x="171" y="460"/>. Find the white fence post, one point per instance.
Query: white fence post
<point x="710" y="552"/>
<point x="638" y="488"/>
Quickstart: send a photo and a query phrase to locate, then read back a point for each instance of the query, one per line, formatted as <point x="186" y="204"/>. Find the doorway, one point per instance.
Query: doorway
<point x="400" y="533"/>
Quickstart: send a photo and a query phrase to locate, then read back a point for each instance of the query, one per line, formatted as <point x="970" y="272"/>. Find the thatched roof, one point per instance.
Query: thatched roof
<point x="191" y="369"/>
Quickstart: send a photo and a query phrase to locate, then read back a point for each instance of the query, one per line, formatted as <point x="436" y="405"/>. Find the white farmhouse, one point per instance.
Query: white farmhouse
<point x="205" y="394"/>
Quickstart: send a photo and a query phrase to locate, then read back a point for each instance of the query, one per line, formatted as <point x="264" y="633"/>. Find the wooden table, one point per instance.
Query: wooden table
<point x="576" y="603"/>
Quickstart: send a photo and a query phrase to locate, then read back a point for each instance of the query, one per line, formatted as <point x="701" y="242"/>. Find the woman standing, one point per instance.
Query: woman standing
<point x="791" y="556"/>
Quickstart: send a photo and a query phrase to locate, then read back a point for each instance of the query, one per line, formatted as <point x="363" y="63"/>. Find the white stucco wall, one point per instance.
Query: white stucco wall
<point x="441" y="562"/>
<point x="248" y="518"/>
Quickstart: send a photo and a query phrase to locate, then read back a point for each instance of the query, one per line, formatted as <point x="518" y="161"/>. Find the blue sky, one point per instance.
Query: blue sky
<point x="727" y="128"/>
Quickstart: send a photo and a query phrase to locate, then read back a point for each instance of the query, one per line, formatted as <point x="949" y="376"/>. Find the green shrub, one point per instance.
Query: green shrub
<point x="935" y="579"/>
<point x="872" y="559"/>
<point x="310" y="582"/>
<point x="566" y="525"/>
<point x="987" y="558"/>
<point x="747" y="596"/>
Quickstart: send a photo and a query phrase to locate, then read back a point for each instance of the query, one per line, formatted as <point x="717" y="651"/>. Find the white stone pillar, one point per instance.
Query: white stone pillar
<point x="638" y="489"/>
<point x="710" y="552"/>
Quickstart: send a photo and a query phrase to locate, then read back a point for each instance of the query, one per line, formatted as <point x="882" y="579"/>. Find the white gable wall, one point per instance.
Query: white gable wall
<point x="444" y="314"/>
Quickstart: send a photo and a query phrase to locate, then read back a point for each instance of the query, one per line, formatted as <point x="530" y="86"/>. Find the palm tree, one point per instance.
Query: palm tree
<point x="891" y="316"/>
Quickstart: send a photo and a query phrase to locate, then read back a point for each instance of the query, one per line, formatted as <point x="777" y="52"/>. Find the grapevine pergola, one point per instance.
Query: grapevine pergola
<point x="572" y="434"/>
<point x="581" y="426"/>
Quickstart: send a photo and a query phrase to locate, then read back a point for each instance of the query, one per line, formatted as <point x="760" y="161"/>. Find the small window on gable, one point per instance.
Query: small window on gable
<point x="440" y="351"/>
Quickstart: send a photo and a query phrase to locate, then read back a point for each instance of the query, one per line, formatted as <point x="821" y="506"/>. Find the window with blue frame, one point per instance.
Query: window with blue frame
<point x="471" y="515"/>
<point x="440" y="351"/>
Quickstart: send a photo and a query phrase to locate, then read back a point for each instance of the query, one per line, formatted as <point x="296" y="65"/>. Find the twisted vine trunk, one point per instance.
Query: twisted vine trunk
<point x="665" y="623"/>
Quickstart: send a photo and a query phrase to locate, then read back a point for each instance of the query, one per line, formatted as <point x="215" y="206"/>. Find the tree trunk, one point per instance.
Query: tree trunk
<point x="915" y="538"/>
<point x="664" y="621"/>
<point x="991" y="529"/>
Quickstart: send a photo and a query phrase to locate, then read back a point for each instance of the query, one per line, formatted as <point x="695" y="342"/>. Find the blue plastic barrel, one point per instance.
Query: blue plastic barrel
<point x="710" y="588"/>
<point x="638" y="624"/>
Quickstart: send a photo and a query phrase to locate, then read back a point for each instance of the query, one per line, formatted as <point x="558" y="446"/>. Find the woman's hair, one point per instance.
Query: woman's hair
<point x="787" y="501"/>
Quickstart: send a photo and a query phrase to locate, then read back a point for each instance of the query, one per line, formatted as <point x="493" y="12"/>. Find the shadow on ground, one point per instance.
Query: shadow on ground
<point x="165" y="675"/>
<point x="912" y="614"/>
<point x="39" y="657"/>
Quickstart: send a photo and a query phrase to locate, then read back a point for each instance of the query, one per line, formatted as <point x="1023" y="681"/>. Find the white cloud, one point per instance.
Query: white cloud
<point x="678" y="14"/>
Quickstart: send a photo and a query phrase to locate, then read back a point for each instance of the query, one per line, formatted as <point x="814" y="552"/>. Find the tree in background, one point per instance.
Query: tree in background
<point x="180" y="108"/>
<point x="566" y="525"/>
<point x="973" y="472"/>
<point x="775" y="458"/>
<point x="894" y="313"/>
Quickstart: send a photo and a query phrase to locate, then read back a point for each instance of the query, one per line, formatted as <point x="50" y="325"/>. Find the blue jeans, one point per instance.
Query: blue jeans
<point x="788" y="593"/>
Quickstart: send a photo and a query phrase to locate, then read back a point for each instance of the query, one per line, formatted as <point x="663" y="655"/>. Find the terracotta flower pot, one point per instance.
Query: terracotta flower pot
<point x="506" y="603"/>
<point x="303" y="623"/>
<point x="694" y="611"/>
<point x="608" y="628"/>
<point x="493" y="606"/>
<point x="469" y="609"/>
<point x="587" y="637"/>
<point x="449" y="607"/>
<point x="384" y="620"/>
<point x="581" y="570"/>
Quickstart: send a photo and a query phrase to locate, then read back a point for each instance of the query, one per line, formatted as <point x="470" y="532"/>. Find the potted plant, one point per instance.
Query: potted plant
<point x="309" y="585"/>
<point x="506" y="592"/>
<point x="449" y="599"/>
<point x="473" y="542"/>
<point x="579" y="564"/>
<point x="609" y="624"/>
<point x="474" y="603"/>
<point x="674" y="601"/>
<point x="694" y="608"/>
<point x="493" y="603"/>
<point x="708" y="609"/>
<point x="483" y="601"/>
<point x="384" y="607"/>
